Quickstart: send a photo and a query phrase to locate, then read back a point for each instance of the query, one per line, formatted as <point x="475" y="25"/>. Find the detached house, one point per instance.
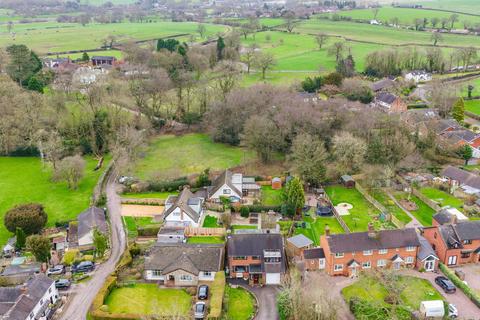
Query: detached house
<point x="184" y="210"/>
<point x="232" y="185"/>
<point x="256" y="257"/>
<point x="418" y="76"/>
<point x="455" y="243"/>
<point x="390" y="102"/>
<point x="347" y="254"/>
<point x="183" y="264"/>
<point x="89" y="220"/>
<point x="468" y="182"/>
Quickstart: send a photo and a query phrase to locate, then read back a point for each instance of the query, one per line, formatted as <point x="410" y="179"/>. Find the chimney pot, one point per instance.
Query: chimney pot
<point x="327" y="230"/>
<point x="371" y="231"/>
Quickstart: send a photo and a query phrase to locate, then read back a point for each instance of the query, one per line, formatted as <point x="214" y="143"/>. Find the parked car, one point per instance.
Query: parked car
<point x="203" y="292"/>
<point x="62" y="284"/>
<point x="445" y="284"/>
<point x="84" y="266"/>
<point x="452" y="311"/>
<point x="199" y="310"/>
<point x="58" y="269"/>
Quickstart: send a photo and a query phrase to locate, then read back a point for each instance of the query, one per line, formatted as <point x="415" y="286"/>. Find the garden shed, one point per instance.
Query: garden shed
<point x="348" y="181"/>
<point x="276" y="183"/>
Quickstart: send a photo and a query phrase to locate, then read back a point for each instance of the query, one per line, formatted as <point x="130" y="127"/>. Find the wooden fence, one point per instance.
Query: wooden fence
<point x="337" y="215"/>
<point x="194" y="232"/>
<point x="432" y="204"/>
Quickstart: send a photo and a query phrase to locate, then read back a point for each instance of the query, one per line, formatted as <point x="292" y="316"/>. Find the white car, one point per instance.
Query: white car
<point x="199" y="310"/>
<point x="452" y="311"/>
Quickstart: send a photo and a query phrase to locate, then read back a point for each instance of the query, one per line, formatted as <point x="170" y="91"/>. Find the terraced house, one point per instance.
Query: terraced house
<point x="347" y="254"/>
<point x="455" y="243"/>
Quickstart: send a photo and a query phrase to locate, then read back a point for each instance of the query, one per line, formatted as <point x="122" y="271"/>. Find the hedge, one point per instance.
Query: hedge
<point x="261" y="208"/>
<point x="148" y="231"/>
<point x="173" y="185"/>
<point x="472" y="295"/>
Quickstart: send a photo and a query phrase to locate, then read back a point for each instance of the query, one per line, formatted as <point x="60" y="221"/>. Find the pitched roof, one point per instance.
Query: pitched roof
<point x="445" y="215"/>
<point x="89" y="219"/>
<point x="462" y="176"/>
<point x="386" y="97"/>
<point x="103" y="58"/>
<point x="384" y="239"/>
<point x="300" y="241"/>
<point x="193" y="258"/>
<point x="315" y="253"/>
<point x="253" y="244"/>
<point x="185" y="202"/>
<point x="224" y="178"/>
<point x="425" y="249"/>
<point x="444" y="124"/>
<point x="382" y="84"/>
<point x="460" y="134"/>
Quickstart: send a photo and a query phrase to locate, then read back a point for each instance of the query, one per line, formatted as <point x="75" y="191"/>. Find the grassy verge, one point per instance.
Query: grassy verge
<point x="240" y="305"/>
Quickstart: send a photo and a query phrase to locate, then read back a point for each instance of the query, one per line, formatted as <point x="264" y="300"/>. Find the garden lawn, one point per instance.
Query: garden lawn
<point x="423" y="214"/>
<point x="473" y="106"/>
<point x="362" y="212"/>
<point x="240" y="304"/>
<point x="148" y="299"/>
<point x="149" y="195"/>
<point x="211" y="222"/>
<point x="191" y="153"/>
<point x="133" y="223"/>
<point x="206" y="239"/>
<point x="24" y="180"/>
<point x="316" y="227"/>
<point x="442" y="198"/>
<point x="271" y="197"/>
<point x="389" y="204"/>
<point x="416" y="290"/>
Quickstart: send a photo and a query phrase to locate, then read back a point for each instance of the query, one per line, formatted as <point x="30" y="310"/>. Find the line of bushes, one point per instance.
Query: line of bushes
<point x="148" y="231"/>
<point x="168" y="186"/>
<point x="471" y="294"/>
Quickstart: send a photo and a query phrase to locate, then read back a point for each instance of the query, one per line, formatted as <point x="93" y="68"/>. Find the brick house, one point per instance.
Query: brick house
<point x="313" y="259"/>
<point x="390" y="102"/>
<point x="346" y="254"/>
<point x="455" y="243"/>
<point x="256" y="257"/>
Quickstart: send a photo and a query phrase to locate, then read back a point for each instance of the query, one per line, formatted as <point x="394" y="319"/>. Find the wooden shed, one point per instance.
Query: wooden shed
<point x="348" y="181"/>
<point x="276" y="183"/>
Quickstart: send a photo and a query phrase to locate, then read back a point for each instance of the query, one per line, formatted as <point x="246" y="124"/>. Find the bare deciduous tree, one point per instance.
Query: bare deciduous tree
<point x="264" y="61"/>
<point x="321" y="38"/>
<point x="70" y="170"/>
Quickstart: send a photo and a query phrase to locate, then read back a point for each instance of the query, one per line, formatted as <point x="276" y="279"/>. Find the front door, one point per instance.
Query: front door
<point x="396" y="265"/>
<point x="354" y="271"/>
<point x="429" y="265"/>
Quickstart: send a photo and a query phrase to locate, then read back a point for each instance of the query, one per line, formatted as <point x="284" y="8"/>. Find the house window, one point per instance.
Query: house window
<point x="239" y="258"/>
<point x="411" y="248"/>
<point x="156" y="273"/>
<point x="367" y="252"/>
<point x="381" y="263"/>
<point x="339" y="255"/>
<point x="409" y="260"/>
<point x="465" y="255"/>
<point x="226" y="191"/>
<point x="434" y="247"/>
<point x="185" y="277"/>
<point x="338" y="267"/>
<point x="383" y="251"/>
<point x="49" y="290"/>
<point x="467" y="241"/>
<point x="207" y="273"/>
<point x="256" y="258"/>
<point x="273" y="259"/>
<point x="366" y="265"/>
<point x="176" y="213"/>
<point x="452" y="260"/>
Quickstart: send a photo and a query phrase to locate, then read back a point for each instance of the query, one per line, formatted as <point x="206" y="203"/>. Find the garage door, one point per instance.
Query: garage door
<point x="273" y="278"/>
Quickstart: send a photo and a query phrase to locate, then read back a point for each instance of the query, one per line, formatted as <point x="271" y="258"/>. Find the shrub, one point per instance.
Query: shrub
<point x="87" y="257"/>
<point x="172" y="185"/>
<point x="149" y="231"/>
<point x="31" y="218"/>
<point x="135" y="250"/>
<point x="244" y="211"/>
<point x="191" y="291"/>
<point x="262" y="208"/>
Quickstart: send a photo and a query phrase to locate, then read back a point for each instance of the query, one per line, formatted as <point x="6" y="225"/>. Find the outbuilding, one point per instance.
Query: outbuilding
<point x="348" y="181"/>
<point x="276" y="183"/>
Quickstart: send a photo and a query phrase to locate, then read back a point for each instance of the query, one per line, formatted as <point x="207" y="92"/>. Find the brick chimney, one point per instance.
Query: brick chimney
<point x="453" y="218"/>
<point x="327" y="230"/>
<point x="371" y="231"/>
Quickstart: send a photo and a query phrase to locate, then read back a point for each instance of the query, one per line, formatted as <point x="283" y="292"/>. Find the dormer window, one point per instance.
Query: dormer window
<point x="272" y="256"/>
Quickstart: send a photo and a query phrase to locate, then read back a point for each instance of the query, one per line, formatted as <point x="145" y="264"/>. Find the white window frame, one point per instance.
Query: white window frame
<point x="452" y="260"/>
<point x="382" y="251"/>
<point x="156" y="273"/>
<point x="227" y="191"/>
<point x="367" y="252"/>
<point x="411" y="248"/>
<point x="366" y="265"/>
<point x="185" y="277"/>
<point x="381" y="263"/>
<point x="207" y="273"/>
<point x="338" y="267"/>
<point x="409" y="260"/>
<point x="339" y="255"/>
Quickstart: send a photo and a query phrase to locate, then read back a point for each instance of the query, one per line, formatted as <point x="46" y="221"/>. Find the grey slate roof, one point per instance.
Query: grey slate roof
<point x="224" y="178"/>
<point x="442" y="217"/>
<point x="382" y="84"/>
<point x="185" y="200"/>
<point x="188" y="257"/>
<point x="453" y="235"/>
<point x="385" y="239"/>
<point x="315" y="253"/>
<point x="425" y="249"/>
<point x="386" y="97"/>
<point x="300" y="241"/>
<point x="462" y="176"/>
<point x="103" y="58"/>
<point x="21" y="269"/>
<point x="253" y="244"/>
<point x="444" y="124"/>
<point x="460" y="135"/>
<point x="89" y="219"/>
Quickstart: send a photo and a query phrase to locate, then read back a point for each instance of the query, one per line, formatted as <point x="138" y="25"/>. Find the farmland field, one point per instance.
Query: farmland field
<point x="467" y="6"/>
<point x="24" y="180"/>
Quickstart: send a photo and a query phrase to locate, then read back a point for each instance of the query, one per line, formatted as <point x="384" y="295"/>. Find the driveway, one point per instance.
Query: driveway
<point x="472" y="276"/>
<point x="266" y="297"/>
<point x="81" y="298"/>
<point x="466" y="308"/>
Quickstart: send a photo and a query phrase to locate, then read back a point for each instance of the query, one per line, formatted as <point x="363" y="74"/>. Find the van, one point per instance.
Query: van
<point x="432" y="309"/>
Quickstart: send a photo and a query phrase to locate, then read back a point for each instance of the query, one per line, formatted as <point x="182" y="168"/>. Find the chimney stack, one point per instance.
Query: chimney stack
<point x="327" y="230"/>
<point x="371" y="231"/>
<point x="453" y="218"/>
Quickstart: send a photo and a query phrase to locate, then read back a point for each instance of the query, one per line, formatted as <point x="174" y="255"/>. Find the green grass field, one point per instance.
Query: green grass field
<point x="423" y="214"/>
<point x="240" y="304"/>
<point x="51" y="36"/>
<point x="192" y="153"/>
<point x="389" y="204"/>
<point x="407" y="16"/>
<point x="271" y="197"/>
<point x="210" y="222"/>
<point x="473" y="106"/>
<point x="467" y="6"/>
<point x="316" y="227"/>
<point x="206" y="239"/>
<point x="362" y="212"/>
<point x="133" y="223"/>
<point x="442" y="198"/>
<point x="24" y="180"/>
<point x="148" y="299"/>
<point x="73" y="56"/>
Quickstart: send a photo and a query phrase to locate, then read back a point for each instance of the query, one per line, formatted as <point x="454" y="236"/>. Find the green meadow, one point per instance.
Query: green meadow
<point x="467" y="6"/>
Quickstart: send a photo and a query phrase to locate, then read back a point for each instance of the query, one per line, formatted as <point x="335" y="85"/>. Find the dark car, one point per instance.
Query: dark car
<point x="203" y="292"/>
<point x="84" y="266"/>
<point x="445" y="284"/>
<point x="58" y="269"/>
<point x="62" y="284"/>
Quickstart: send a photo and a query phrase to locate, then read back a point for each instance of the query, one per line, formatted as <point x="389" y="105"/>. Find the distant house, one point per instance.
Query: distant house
<point x="30" y="301"/>
<point x="89" y="220"/>
<point x="184" y="210"/>
<point x="458" y="178"/>
<point x="183" y="264"/>
<point x="103" y="60"/>
<point x="232" y="185"/>
<point x="314" y="259"/>
<point x="455" y="243"/>
<point x="390" y="102"/>
<point x="256" y="257"/>
<point x="297" y="244"/>
<point x="448" y="215"/>
<point x="382" y="85"/>
<point x="56" y="62"/>
<point x="19" y="273"/>
<point x="418" y="76"/>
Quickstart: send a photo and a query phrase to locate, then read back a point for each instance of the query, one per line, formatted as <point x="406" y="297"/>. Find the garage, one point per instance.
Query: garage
<point x="272" y="278"/>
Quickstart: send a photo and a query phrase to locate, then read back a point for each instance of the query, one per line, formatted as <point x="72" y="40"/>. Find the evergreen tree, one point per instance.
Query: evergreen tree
<point x="294" y="194"/>
<point x="220" y="48"/>
<point x="40" y="247"/>
<point x="466" y="153"/>
<point x="458" y="110"/>
<point x="35" y="84"/>
<point x="100" y="242"/>
<point x="85" y="57"/>
<point x="346" y="67"/>
<point x="21" y="239"/>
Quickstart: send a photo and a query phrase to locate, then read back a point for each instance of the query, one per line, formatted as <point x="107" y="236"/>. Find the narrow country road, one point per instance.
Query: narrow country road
<point x="79" y="303"/>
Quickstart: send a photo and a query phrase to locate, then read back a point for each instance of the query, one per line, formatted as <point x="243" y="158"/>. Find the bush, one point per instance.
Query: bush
<point x="149" y="231"/>
<point x="135" y="250"/>
<point x="173" y="185"/>
<point x="244" y="211"/>
<point x="31" y="218"/>
<point x="191" y="291"/>
<point x="472" y="295"/>
<point x="262" y="208"/>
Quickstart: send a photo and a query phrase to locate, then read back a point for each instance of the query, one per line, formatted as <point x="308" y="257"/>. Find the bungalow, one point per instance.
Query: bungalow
<point x="455" y="243"/>
<point x="89" y="220"/>
<point x="30" y="301"/>
<point x="183" y="264"/>
<point x="256" y="257"/>
<point x="346" y="254"/>
<point x="232" y="185"/>
<point x="418" y="76"/>
<point x="468" y="182"/>
<point x="184" y="210"/>
<point x="390" y="102"/>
